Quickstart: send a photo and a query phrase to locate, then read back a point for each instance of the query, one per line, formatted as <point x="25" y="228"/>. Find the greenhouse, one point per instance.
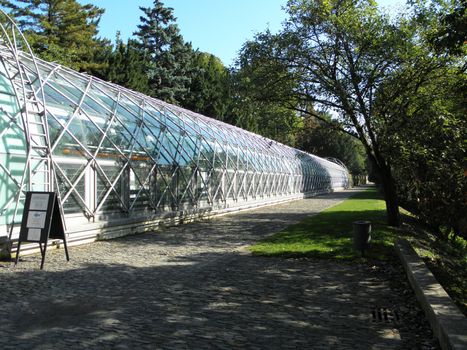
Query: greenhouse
<point x="121" y="162"/>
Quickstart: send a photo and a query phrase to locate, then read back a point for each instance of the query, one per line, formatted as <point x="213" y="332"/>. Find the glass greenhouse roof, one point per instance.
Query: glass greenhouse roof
<point x="109" y="149"/>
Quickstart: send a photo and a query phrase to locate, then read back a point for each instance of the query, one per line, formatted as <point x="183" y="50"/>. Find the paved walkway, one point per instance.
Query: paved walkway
<point x="196" y="287"/>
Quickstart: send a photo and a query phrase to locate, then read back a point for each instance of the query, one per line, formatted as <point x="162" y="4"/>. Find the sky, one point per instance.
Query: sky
<point x="219" y="27"/>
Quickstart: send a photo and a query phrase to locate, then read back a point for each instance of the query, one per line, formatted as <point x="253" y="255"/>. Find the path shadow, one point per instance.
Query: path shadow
<point x="237" y="302"/>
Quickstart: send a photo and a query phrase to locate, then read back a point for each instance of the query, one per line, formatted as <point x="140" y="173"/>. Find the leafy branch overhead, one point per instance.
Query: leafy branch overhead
<point x="369" y="72"/>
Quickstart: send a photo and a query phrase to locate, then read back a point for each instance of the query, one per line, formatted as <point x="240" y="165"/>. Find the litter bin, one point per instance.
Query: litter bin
<point x="361" y="235"/>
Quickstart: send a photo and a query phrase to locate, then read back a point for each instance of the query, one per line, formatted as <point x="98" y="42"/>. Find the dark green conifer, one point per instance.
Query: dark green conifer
<point x="62" y="31"/>
<point x="168" y="56"/>
<point x="126" y="66"/>
<point x="209" y="86"/>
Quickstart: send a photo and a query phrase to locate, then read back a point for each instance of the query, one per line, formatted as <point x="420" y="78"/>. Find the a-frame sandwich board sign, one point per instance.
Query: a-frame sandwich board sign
<point x="42" y="219"/>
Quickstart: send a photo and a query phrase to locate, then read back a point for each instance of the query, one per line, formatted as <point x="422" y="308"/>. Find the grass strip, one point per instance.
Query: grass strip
<point x="329" y="234"/>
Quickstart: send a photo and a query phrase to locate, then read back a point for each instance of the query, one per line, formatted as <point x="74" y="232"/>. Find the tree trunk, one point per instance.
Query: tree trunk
<point x="390" y="194"/>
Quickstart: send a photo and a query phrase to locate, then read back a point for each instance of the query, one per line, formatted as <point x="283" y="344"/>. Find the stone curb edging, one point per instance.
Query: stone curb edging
<point x="446" y="320"/>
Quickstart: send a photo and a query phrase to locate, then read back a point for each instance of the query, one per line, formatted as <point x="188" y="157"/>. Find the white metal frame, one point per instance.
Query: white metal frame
<point x="177" y="150"/>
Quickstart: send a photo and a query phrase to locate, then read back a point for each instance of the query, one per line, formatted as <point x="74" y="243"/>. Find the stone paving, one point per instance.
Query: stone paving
<point x="196" y="287"/>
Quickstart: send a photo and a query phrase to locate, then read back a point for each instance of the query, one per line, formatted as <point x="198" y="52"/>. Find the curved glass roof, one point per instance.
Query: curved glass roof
<point x="112" y="149"/>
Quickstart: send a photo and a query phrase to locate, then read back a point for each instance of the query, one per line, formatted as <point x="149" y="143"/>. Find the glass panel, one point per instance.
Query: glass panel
<point x="185" y="185"/>
<point x="201" y="191"/>
<point x="216" y="184"/>
<point x="140" y="182"/>
<point x="131" y="104"/>
<point x="117" y="141"/>
<point x="103" y="93"/>
<point x="14" y="165"/>
<point x="247" y="184"/>
<point x="127" y="120"/>
<point x="103" y="186"/>
<point x="231" y="183"/>
<point x="163" y="197"/>
<point x="260" y="178"/>
<point x="73" y="204"/>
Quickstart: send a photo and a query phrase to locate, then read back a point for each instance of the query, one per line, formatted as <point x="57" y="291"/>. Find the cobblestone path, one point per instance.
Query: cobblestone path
<point x="195" y="287"/>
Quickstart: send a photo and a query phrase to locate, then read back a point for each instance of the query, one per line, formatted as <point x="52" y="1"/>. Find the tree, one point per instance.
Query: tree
<point x="168" y="57"/>
<point x="126" y="66"/>
<point x="208" y="90"/>
<point x="426" y="140"/>
<point x="424" y="100"/>
<point x="431" y="156"/>
<point x="340" y="54"/>
<point x="63" y="31"/>
<point x="445" y="23"/>
<point x="318" y="138"/>
<point x="257" y="101"/>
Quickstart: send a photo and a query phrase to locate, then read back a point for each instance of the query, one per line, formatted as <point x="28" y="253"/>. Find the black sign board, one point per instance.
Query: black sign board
<point x="42" y="219"/>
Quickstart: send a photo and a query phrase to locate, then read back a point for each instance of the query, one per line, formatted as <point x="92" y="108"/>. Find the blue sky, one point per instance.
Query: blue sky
<point x="219" y="27"/>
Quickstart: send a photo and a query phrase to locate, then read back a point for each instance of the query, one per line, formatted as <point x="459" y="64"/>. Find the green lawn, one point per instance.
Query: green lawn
<point x="329" y="233"/>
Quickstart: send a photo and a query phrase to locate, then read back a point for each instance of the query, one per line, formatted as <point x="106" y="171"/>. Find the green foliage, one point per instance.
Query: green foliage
<point x="261" y="104"/>
<point x="448" y="262"/>
<point x="331" y="57"/>
<point x="423" y="105"/>
<point x="429" y="153"/>
<point x="267" y="119"/>
<point x="62" y="31"/>
<point x="447" y="259"/>
<point x="209" y="86"/>
<point x="167" y="56"/>
<point x="396" y="84"/>
<point x="319" y="138"/>
<point x="126" y="66"/>
<point x="445" y="24"/>
<point x="452" y="33"/>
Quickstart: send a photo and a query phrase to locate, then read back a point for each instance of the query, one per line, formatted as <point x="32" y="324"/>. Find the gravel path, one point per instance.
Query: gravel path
<point x="195" y="287"/>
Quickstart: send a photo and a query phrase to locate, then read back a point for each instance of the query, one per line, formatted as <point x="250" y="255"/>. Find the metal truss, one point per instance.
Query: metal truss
<point x="108" y="150"/>
<point x="29" y="117"/>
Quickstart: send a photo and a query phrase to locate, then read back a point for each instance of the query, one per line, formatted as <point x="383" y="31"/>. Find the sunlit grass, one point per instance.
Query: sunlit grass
<point x="329" y="234"/>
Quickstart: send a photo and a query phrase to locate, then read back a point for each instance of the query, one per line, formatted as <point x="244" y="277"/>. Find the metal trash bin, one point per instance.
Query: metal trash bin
<point x="361" y="235"/>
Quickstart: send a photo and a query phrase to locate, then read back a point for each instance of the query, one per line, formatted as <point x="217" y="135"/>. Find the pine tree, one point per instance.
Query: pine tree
<point x="126" y="66"/>
<point x="209" y="86"/>
<point x="63" y="31"/>
<point x="168" y="56"/>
